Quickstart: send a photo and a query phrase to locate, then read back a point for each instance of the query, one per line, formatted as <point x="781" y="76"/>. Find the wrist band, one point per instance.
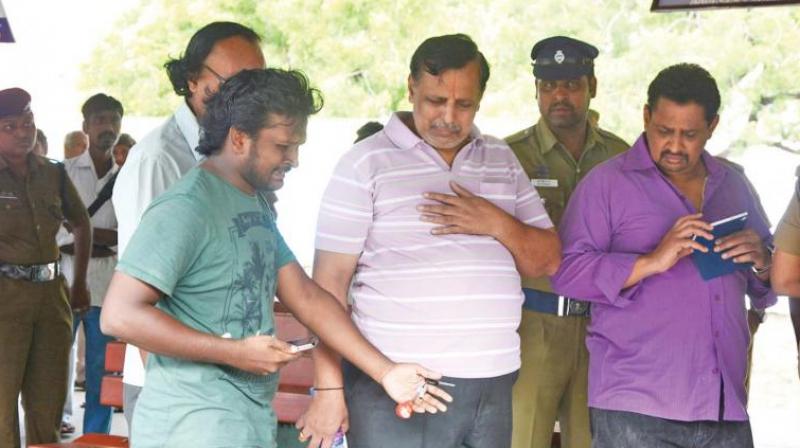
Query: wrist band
<point x="322" y="389"/>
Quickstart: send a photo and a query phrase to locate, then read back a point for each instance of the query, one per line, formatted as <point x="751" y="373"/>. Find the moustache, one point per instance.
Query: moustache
<point x="562" y="105"/>
<point x="452" y="127"/>
<point x="107" y="134"/>
<point x="673" y="154"/>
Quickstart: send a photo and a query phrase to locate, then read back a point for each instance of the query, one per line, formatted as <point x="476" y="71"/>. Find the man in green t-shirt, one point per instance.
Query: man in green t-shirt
<point x="556" y="153"/>
<point x="196" y="282"/>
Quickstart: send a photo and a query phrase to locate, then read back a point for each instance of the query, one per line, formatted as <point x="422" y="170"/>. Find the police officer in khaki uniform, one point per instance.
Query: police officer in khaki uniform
<point x="557" y="152"/>
<point x="785" y="275"/>
<point x="36" y="196"/>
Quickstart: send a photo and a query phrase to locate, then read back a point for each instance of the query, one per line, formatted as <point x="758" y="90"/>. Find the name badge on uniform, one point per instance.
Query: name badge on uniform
<point x="8" y="199"/>
<point x="545" y="183"/>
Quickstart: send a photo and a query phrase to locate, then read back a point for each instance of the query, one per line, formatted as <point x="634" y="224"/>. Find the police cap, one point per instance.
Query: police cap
<point x="561" y="57"/>
<point x="14" y="101"/>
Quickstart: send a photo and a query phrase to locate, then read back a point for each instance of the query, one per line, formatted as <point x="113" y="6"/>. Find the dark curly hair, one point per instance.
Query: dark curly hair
<point x="685" y="83"/>
<point x="246" y="100"/>
<point x="189" y="66"/>
<point x="451" y="51"/>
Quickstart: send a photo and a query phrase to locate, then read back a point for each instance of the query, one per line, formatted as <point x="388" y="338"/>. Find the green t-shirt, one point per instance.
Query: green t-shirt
<point x="214" y="252"/>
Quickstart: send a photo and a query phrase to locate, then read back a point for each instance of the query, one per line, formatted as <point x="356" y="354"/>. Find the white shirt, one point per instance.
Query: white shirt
<point x="83" y="175"/>
<point x="153" y="165"/>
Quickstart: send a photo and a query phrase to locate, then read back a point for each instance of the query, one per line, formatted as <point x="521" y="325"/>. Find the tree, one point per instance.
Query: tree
<point x="357" y="52"/>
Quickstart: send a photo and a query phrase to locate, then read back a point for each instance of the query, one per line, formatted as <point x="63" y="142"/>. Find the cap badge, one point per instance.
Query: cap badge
<point x="559" y="57"/>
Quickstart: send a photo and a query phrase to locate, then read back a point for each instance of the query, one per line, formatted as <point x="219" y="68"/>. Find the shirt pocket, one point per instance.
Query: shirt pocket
<point x="500" y="193"/>
<point x="14" y="216"/>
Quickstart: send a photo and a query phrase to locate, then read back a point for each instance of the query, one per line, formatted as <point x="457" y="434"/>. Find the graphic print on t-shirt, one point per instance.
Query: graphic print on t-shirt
<point x="253" y="285"/>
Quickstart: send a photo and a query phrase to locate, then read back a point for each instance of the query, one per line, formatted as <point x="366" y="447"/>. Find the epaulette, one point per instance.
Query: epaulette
<point x="612" y="136"/>
<point x="519" y="136"/>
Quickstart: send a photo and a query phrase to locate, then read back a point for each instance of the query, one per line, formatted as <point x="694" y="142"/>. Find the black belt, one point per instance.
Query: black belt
<point x="36" y="273"/>
<point x="547" y="302"/>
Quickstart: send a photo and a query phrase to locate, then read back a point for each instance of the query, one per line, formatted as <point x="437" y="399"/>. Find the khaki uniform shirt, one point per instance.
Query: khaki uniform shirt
<point x="787" y="235"/>
<point x="32" y="210"/>
<point x="555" y="173"/>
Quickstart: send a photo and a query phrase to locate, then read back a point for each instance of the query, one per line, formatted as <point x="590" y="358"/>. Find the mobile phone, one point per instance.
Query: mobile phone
<point x="305" y="343"/>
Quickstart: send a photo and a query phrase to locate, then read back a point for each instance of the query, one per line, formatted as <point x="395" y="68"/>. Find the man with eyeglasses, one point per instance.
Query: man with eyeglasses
<point x="216" y="52"/>
<point x="556" y="153"/>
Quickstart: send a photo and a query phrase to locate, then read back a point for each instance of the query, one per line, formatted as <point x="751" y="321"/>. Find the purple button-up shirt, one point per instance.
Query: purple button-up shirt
<point x="671" y="344"/>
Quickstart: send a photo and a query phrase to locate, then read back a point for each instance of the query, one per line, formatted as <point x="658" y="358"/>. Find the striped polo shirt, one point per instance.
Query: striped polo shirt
<point x="449" y="302"/>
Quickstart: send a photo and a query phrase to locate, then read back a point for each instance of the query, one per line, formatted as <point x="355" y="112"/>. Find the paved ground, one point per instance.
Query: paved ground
<point x="775" y="395"/>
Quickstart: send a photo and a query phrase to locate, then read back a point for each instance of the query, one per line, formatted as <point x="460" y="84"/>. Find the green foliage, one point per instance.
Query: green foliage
<point x="357" y="52"/>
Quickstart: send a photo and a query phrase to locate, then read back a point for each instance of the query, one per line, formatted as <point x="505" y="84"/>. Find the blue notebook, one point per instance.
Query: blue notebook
<point x="710" y="264"/>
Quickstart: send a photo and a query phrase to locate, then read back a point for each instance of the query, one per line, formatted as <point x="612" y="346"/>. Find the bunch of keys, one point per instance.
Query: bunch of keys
<point x="406" y="410"/>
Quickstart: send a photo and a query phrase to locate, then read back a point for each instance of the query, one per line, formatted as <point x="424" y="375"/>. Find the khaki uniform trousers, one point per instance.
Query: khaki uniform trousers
<point x="552" y="383"/>
<point x="35" y="339"/>
<point x="752" y="323"/>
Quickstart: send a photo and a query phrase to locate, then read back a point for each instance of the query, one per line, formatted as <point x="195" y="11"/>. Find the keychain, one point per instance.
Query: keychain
<point x="406" y="410"/>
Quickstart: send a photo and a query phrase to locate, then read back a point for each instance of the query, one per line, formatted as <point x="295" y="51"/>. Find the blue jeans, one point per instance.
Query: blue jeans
<point x="96" y="418"/>
<point x="618" y="429"/>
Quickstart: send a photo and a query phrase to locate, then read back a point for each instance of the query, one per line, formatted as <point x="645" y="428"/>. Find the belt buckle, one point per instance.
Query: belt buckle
<point x="42" y="273"/>
<point x="38" y="273"/>
<point x="578" y="308"/>
<point x="563" y="306"/>
<point x="571" y="307"/>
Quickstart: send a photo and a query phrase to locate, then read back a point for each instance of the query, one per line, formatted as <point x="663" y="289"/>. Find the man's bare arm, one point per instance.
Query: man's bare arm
<point x="325" y="315"/>
<point x="333" y="272"/>
<point x="129" y="313"/>
<point x="79" y="294"/>
<point x="785" y="273"/>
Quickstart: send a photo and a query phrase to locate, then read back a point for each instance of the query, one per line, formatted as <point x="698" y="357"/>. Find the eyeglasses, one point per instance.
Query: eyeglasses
<point x="220" y="78"/>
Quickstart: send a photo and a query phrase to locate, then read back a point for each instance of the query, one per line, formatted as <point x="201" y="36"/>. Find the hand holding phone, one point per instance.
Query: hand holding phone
<point x="304" y="344"/>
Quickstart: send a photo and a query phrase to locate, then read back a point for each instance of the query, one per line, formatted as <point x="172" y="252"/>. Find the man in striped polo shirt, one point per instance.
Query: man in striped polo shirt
<point x="433" y="222"/>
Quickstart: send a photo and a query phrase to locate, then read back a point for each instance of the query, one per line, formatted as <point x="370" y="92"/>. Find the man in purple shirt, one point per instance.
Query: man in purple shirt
<point x="668" y="350"/>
